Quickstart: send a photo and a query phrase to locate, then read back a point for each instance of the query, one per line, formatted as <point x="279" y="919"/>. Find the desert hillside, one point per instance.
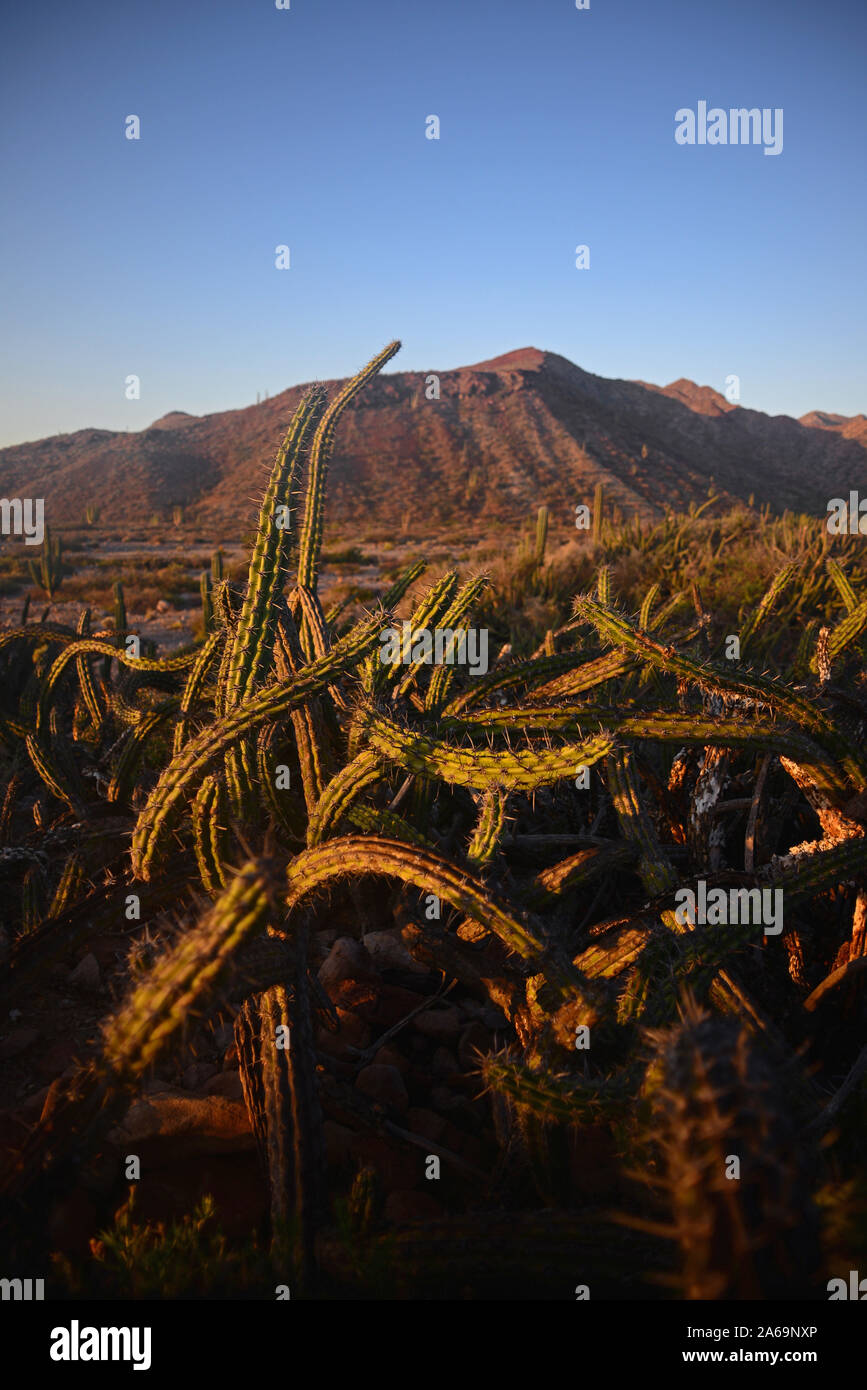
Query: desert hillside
<point x="505" y="436"/>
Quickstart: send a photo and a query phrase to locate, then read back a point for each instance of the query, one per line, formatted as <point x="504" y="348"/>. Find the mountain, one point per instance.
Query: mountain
<point x="505" y="436"/>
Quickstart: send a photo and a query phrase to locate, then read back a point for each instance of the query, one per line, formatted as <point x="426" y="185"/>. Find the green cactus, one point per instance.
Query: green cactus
<point x="48" y="571"/>
<point x="541" y="535"/>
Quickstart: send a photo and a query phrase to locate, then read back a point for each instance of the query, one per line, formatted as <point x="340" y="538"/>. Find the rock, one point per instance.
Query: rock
<point x="411" y="1206"/>
<point x="384" y="1085"/>
<point x="388" y="952"/>
<point x="86" y="975"/>
<point x="472" y="931"/>
<point x="439" y="1023"/>
<point x="17" y="1042"/>
<point x="456" y="1107"/>
<point x="225" y="1083"/>
<point x="444" y="1063"/>
<point x="353" y="1032"/>
<point x="196" y="1074"/>
<point x="426" y="1123"/>
<point x="388" y="1056"/>
<point x="347" y="960"/>
<point x="356" y="996"/>
<point x="325" y="940"/>
<point x="393" y="1004"/>
<point x="190" y="1124"/>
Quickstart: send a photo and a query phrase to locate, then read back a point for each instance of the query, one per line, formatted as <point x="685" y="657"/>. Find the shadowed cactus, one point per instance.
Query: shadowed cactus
<point x="736" y="1174"/>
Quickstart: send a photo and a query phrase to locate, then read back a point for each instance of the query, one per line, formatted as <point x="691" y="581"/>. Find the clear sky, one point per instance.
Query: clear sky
<point x="306" y="127"/>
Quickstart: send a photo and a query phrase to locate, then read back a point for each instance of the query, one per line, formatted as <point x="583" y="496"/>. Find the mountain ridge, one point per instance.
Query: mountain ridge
<point x="503" y="436"/>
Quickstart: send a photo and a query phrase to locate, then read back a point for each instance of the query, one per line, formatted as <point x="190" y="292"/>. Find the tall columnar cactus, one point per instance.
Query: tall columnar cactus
<point x="119" y="609"/>
<point x="252" y="647"/>
<point x="541" y="535"/>
<point x="49" y="569"/>
<point x="311" y="531"/>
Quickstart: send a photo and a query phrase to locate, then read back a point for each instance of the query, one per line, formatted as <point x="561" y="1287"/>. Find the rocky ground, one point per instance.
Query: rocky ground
<point x="398" y="1064"/>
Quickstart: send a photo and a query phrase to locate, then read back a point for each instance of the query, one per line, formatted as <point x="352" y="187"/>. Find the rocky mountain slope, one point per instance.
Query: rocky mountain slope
<point x="504" y="436"/>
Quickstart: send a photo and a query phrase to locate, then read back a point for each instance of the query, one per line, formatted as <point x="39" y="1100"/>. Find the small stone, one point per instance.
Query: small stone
<point x="384" y="1085"/>
<point x="347" y="960"/>
<point x="456" y="1107"/>
<point x="225" y="1083"/>
<point x="426" y="1123"/>
<point x="388" y="1056"/>
<point x="86" y="975"/>
<point x="189" y="1124"/>
<point x="196" y="1074"/>
<point x="439" y="1023"/>
<point x="388" y="952"/>
<point x="444" y="1063"/>
<point x="472" y="931"/>
<point x="393" y="1004"/>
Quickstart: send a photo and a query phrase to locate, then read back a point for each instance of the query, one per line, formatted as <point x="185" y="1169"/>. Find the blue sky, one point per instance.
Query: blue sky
<point x="306" y="127"/>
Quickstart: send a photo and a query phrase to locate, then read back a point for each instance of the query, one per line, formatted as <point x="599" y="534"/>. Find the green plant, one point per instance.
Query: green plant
<point x="48" y="571"/>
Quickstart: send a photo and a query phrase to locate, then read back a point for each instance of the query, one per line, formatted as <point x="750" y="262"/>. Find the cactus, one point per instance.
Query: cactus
<point x="716" y="1099"/>
<point x="480" y="768"/>
<point x="119" y="609"/>
<point x="311" y="531"/>
<point x="556" y="1098"/>
<point x="253" y="639"/>
<point x="184" y="772"/>
<point x="185" y="977"/>
<point x="541" y="536"/>
<point x="49" y="569"/>
<point x="430" y="873"/>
